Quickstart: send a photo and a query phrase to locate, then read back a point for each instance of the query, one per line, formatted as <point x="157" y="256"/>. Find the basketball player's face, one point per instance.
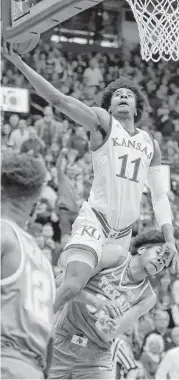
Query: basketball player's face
<point x="123" y="103"/>
<point x="152" y="261"/>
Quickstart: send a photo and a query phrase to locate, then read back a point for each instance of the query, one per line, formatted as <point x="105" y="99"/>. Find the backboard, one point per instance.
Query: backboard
<point x="22" y="19"/>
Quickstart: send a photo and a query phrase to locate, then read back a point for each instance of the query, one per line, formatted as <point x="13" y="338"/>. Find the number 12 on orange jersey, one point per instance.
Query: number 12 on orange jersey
<point x="37" y="293"/>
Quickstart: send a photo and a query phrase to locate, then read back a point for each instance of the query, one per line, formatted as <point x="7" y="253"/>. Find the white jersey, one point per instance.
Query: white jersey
<point x="121" y="167"/>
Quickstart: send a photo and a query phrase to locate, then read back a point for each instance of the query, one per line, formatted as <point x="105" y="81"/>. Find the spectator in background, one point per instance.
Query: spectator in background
<point x="55" y="151"/>
<point x="49" y="161"/>
<point x="48" y="129"/>
<point x="18" y="136"/>
<point x="169" y="366"/>
<point x="172" y="150"/>
<point x="47" y="232"/>
<point x="159" y="138"/>
<point x="53" y="181"/>
<point x="68" y="156"/>
<point x="86" y="164"/>
<point x="48" y="240"/>
<point x="152" y="354"/>
<point x="67" y="201"/>
<point x="33" y="145"/>
<point x="142" y="328"/>
<point x="163" y="293"/>
<point x="174" y="310"/>
<point x="79" y="141"/>
<point x="5" y="134"/>
<point x="89" y="95"/>
<point x="50" y="195"/>
<point x="99" y="94"/>
<point x="161" y="323"/>
<point x="40" y="64"/>
<point x="66" y="138"/>
<point x="93" y="73"/>
<point x="43" y="212"/>
<point x="14" y="121"/>
<point x="175" y="336"/>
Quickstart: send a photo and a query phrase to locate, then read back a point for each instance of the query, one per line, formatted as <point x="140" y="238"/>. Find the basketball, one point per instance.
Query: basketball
<point x="26" y="46"/>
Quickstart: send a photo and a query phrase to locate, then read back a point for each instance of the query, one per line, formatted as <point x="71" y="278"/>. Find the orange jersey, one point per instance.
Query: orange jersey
<point x="27" y="299"/>
<point x="78" y="318"/>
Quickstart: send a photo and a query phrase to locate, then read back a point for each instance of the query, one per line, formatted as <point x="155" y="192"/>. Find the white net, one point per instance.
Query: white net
<point x="158" y="26"/>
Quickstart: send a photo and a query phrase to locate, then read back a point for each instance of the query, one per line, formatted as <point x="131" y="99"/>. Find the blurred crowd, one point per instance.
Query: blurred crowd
<point x="64" y="146"/>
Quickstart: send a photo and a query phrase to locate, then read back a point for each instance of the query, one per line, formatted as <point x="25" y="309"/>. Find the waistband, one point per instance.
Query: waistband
<point x="111" y="232"/>
<point x="80" y="339"/>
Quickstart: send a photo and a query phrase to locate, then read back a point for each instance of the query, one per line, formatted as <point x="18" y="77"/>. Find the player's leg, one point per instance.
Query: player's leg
<point x="123" y="242"/>
<point x="86" y="235"/>
<point x="71" y="360"/>
<point x="103" y="372"/>
<point x="92" y="363"/>
<point x="62" y="360"/>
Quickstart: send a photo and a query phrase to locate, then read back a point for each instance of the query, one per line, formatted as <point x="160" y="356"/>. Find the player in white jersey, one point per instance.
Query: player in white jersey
<point x="124" y="157"/>
<point x="27" y="281"/>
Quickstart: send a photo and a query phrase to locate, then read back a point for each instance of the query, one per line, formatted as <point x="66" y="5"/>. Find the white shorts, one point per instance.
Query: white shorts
<point x="91" y="232"/>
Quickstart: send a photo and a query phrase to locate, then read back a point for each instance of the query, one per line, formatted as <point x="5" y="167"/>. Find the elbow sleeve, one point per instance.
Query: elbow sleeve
<point x="160" y="199"/>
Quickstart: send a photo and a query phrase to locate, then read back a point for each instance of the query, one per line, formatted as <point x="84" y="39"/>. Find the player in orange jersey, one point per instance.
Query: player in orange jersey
<point x="27" y="282"/>
<point x="84" y="335"/>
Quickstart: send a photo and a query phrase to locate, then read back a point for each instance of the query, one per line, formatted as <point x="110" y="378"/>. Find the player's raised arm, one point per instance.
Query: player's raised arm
<point x="161" y="205"/>
<point x="68" y="105"/>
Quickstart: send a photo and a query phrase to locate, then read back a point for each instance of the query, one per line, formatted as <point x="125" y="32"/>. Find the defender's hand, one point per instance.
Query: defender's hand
<point x="106" y="325"/>
<point x="9" y="53"/>
<point x="169" y="249"/>
<point x="111" y="308"/>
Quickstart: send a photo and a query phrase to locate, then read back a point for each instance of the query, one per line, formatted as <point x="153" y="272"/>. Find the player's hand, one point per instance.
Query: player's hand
<point x="170" y="251"/>
<point x="111" y="308"/>
<point x="8" y="52"/>
<point x="106" y="325"/>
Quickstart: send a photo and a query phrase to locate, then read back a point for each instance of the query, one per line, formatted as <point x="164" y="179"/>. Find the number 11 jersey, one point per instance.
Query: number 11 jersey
<point x="27" y="299"/>
<point x="120" y="166"/>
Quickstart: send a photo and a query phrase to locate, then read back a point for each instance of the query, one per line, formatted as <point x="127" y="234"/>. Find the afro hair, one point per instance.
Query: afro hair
<point x="150" y="237"/>
<point x="22" y="176"/>
<point x="123" y="82"/>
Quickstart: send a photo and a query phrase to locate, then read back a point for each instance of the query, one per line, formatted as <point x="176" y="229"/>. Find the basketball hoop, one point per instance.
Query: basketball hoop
<point x="158" y="26"/>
